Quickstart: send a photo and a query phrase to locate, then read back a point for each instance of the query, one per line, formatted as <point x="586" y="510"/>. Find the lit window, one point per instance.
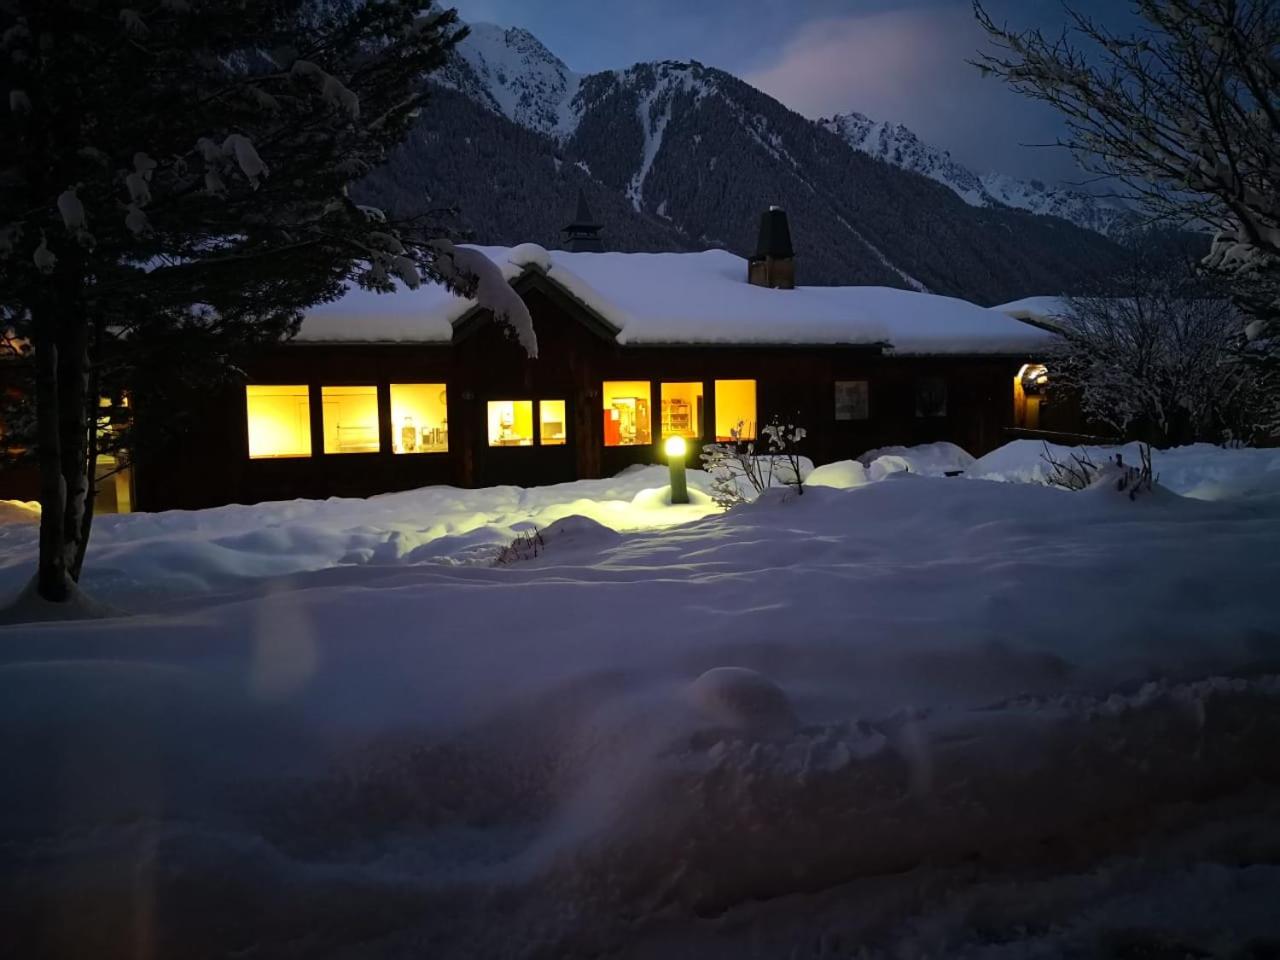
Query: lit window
<point x="350" y="419"/>
<point x="113" y="477"/>
<point x="279" y="421"/>
<point x="552" y="428"/>
<point x="931" y="397"/>
<point x="851" y="400"/>
<point x="626" y="413"/>
<point x="682" y="410"/>
<point x="735" y="410"/>
<point x="419" y="418"/>
<point x="511" y="423"/>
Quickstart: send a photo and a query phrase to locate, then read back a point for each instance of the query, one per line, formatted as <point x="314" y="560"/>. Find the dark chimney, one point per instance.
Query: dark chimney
<point x="583" y="235"/>
<point x="774" y="264"/>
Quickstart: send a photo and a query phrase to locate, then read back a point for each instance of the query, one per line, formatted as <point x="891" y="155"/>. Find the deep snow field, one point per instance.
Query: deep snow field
<point x="899" y="716"/>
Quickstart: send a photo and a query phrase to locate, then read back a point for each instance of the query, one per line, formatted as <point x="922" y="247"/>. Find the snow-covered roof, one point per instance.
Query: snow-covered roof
<point x="690" y="298"/>
<point x="1041" y="310"/>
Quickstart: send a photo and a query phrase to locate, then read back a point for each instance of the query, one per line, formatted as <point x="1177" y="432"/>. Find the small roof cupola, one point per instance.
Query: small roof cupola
<point x="774" y="264"/>
<point x="583" y="235"/>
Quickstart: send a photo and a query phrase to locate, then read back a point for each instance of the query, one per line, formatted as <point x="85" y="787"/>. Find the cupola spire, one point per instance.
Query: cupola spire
<point x="583" y="235"/>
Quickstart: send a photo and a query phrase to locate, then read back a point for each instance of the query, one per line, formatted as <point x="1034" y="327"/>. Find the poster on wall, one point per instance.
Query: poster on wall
<point x="851" y="400"/>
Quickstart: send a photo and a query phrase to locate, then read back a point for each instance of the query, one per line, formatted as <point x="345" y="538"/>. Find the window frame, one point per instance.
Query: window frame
<point x="755" y="403"/>
<point x="700" y="433"/>
<point x="533" y="422"/>
<point x="392" y="419"/>
<point x="649" y="382"/>
<point x="920" y="382"/>
<point x="866" y="398"/>
<point x="537" y="416"/>
<point x="309" y="420"/>
<point x="378" y="420"/>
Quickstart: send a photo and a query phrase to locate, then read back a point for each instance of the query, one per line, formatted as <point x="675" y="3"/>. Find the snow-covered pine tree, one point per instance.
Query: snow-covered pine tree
<point x="1186" y="114"/>
<point x="179" y="167"/>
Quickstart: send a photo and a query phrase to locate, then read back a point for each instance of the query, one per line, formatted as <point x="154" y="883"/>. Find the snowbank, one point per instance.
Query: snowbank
<point x="139" y="559"/>
<point x="926" y="460"/>
<point x="922" y="686"/>
<point x="842" y="475"/>
<point x="1200" y="471"/>
<point x="19" y="511"/>
<point x="30" y="607"/>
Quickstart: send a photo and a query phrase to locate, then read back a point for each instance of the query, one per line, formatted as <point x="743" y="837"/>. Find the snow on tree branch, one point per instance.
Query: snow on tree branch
<point x="73" y="217"/>
<point x="1186" y="113"/>
<point x="241" y="148"/>
<point x="331" y="88"/>
<point x="1161" y="363"/>
<point x="45" y="259"/>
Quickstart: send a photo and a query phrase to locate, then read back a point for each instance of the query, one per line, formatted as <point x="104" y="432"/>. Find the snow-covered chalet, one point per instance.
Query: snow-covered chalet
<point x="387" y="392"/>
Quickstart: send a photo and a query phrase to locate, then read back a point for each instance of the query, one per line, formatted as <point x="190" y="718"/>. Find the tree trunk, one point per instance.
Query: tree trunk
<point x="91" y="456"/>
<point x="52" y="577"/>
<point x="62" y="430"/>
<point x="75" y="424"/>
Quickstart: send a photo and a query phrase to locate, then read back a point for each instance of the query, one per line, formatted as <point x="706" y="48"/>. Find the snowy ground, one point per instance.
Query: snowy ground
<point x="902" y="716"/>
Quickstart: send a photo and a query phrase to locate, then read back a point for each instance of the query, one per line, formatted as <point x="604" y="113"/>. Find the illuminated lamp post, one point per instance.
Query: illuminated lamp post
<point x="675" y="449"/>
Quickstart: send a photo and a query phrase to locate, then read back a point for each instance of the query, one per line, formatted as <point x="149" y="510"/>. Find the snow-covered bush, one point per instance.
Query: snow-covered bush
<point x="526" y="546"/>
<point x="1080" y="472"/>
<point x="739" y="473"/>
<point x="1160" y="362"/>
<point x="1077" y="472"/>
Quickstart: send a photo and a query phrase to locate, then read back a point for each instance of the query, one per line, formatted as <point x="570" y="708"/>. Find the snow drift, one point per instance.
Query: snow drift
<point x="884" y="696"/>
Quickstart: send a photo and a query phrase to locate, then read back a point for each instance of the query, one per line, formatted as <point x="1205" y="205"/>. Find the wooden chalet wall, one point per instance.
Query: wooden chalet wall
<point x="211" y="465"/>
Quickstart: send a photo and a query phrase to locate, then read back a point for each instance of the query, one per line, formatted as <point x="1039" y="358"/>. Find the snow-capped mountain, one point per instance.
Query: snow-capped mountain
<point x="677" y="155"/>
<point x="898" y="145"/>
<point x="658" y="91"/>
<point x="511" y="72"/>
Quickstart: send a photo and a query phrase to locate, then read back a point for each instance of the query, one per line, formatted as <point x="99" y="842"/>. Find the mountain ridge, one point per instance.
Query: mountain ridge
<point x="677" y="155"/>
<point x="515" y="74"/>
<point x="897" y="144"/>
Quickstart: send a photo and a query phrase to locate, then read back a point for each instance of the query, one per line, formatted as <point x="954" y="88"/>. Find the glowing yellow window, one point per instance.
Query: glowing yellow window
<point x="419" y="418"/>
<point x="682" y="410"/>
<point x="553" y="430"/>
<point x="350" y="419"/>
<point x="735" y="410"/>
<point x="113" y="475"/>
<point x="279" y="421"/>
<point x="627" y="422"/>
<point x="511" y="423"/>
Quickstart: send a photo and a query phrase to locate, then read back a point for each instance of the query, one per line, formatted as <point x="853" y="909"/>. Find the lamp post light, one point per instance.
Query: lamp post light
<point x="675" y="448"/>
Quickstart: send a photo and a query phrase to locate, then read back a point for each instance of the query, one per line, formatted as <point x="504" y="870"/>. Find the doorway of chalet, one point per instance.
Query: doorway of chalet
<point x="1030" y="387"/>
<point x="525" y="442"/>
